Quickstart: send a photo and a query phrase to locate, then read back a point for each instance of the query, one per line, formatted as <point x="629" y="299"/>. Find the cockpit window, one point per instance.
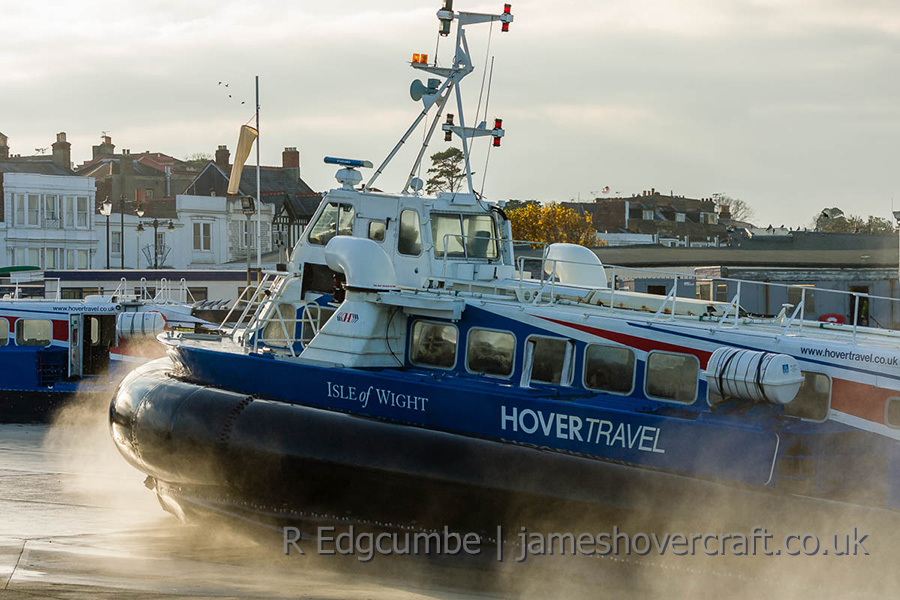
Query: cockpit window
<point x="465" y="236"/>
<point x="335" y="219"/>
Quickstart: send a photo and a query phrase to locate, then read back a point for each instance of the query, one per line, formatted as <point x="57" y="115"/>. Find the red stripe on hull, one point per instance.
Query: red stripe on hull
<point x="640" y="343"/>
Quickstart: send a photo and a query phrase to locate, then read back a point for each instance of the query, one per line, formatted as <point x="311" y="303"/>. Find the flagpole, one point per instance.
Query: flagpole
<point x="258" y="196"/>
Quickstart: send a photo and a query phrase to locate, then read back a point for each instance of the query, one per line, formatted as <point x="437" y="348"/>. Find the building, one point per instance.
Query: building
<point x="676" y="221"/>
<point x="129" y="178"/>
<point x="842" y="277"/>
<point x="294" y="202"/>
<point x="191" y="232"/>
<point x="46" y="211"/>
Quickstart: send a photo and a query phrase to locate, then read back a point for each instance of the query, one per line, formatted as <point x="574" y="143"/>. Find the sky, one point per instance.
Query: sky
<point x="789" y="105"/>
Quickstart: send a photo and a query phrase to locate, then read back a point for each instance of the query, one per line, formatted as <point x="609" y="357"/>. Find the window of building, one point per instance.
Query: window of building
<point x="34" y="257"/>
<point x="813" y="400"/>
<point x="148" y="193"/>
<point x="647" y="215"/>
<point x="34" y="332"/>
<point x="203" y="236"/>
<point x="609" y="368"/>
<point x="246" y="232"/>
<point x="20" y="209"/>
<point x="4" y="332"/>
<point x="81" y="212"/>
<point x="50" y="258"/>
<point x="160" y="243"/>
<point x="83" y="259"/>
<point x="470" y="236"/>
<point x="34" y="209"/>
<point x="795" y="296"/>
<point x="491" y="352"/>
<point x="704" y="290"/>
<point x="51" y="210"/>
<point x="376" y="231"/>
<point x="891" y="411"/>
<point x="335" y="219"/>
<point x="70" y="260"/>
<point x="679" y="217"/>
<point x="409" y="240"/>
<point x="721" y="292"/>
<point x="115" y="244"/>
<point x="672" y="377"/>
<point x="548" y="360"/>
<point x="69" y="212"/>
<point x="658" y="290"/>
<point x="433" y="344"/>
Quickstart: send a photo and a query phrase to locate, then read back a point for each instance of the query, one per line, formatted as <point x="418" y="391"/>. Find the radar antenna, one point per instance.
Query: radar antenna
<point x="437" y="92"/>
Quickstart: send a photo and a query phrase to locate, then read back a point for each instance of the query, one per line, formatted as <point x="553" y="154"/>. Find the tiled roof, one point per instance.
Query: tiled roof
<point x="28" y="166"/>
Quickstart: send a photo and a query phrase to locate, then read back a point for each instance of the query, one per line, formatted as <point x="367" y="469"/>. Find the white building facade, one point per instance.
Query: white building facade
<point x="48" y="221"/>
<point x="205" y="231"/>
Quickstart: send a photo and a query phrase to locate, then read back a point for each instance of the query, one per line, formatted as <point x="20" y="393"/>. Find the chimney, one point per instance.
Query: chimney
<point x="126" y="165"/>
<point x="105" y="148"/>
<point x="4" y="147"/>
<point x="290" y="163"/>
<point x="223" y="157"/>
<point x="62" y="151"/>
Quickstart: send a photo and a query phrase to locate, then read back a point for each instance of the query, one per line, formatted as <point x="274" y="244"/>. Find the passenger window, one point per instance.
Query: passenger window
<point x="283" y="321"/>
<point x="33" y="332"/>
<point x="409" y="241"/>
<point x="4" y="332"/>
<point x="672" y="377"/>
<point x="609" y="369"/>
<point x="548" y="360"/>
<point x="335" y="219"/>
<point x="892" y="413"/>
<point x="376" y="231"/>
<point x="491" y="352"/>
<point x="434" y="344"/>
<point x="813" y="400"/>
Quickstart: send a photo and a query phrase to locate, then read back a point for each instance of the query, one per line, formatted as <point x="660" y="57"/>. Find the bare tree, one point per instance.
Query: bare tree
<point x="739" y="209"/>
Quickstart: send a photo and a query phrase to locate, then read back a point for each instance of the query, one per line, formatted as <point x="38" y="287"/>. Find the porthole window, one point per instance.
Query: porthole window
<point x="892" y="413"/>
<point x="813" y="400"/>
<point x="434" y="344"/>
<point x="548" y="360"/>
<point x="491" y="352"/>
<point x="4" y="332"/>
<point x="34" y="332"/>
<point x="672" y="377"/>
<point x="609" y="369"/>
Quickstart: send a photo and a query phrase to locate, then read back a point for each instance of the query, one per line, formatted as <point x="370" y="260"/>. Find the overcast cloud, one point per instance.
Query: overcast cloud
<point x="791" y="105"/>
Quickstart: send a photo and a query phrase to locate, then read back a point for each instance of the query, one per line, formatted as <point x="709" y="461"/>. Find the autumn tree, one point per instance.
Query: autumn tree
<point x="739" y="209"/>
<point x="551" y="224"/>
<point x="447" y="171"/>
<point x="833" y="220"/>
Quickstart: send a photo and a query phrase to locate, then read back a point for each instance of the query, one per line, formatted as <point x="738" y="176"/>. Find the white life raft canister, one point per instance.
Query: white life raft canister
<point x="751" y="375"/>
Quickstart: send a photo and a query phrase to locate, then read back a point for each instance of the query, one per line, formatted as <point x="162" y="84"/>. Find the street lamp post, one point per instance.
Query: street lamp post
<point x="247" y="207"/>
<point x="155" y="223"/>
<point x="106" y="210"/>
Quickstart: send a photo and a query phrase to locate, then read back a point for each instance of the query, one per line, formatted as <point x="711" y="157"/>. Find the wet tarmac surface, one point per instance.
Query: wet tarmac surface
<point x="76" y="522"/>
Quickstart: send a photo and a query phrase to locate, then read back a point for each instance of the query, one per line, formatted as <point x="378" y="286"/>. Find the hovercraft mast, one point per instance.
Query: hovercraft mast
<point x="436" y="93"/>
